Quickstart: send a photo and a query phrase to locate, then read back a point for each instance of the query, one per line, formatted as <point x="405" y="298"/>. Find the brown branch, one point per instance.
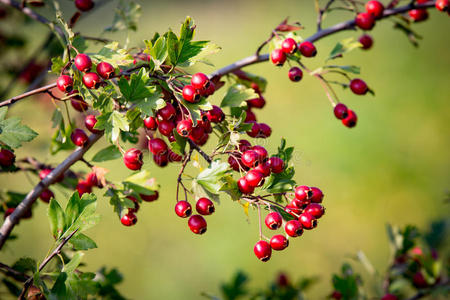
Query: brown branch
<point x="8" y="271"/>
<point x="321" y="14"/>
<point x="199" y="150"/>
<point x="40" y="90"/>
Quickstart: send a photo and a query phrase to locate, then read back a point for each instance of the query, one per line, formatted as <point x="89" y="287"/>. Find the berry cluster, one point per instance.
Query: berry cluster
<point x="130" y="218"/>
<point x="197" y="223"/>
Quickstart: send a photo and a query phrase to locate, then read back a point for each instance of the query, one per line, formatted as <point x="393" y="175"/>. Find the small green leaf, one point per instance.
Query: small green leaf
<point x="343" y="47"/>
<point x="59" y="290"/>
<point x="25" y="264"/>
<point x="56" y="217"/>
<point x="108" y="153"/>
<point x="73" y="263"/>
<point x="82" y="242"/>
<point x="158" y="51"/>
<point x="237" y="94"/>
<point x="13" y="134"/>
<point x="349" y="68"/>
<point x="126" y="16"/>
<point x="210" y="178"/>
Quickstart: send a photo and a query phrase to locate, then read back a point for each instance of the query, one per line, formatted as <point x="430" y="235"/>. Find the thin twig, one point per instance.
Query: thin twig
<point x="200" y="151"/>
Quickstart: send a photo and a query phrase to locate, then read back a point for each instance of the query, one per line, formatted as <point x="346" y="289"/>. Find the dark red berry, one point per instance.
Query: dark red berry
<point x="254" y="178"/>
<point x="315" y="209"/>
<point x="92" y="180"/>
<point x="365" y="21"/>
<point x="197" y="133"/>
<point x="261" y="152"/>
<point x="303" y="193"/>
<point x="279" y="242"/>
<point x="199" y="81"/>
<point x="90" y="122"/>
<point x="350" y="120"/>
<point x="7" y="158"/>
<point x="197" y="224"/>
<point x="136" y="207"/>
<point x="308" y="221"/>
<point x="79" y="137"/>
<point x="244" y="186"/>
<point x="263" y="168"/>
<point x="278" y="57"/>
<point x="276" y="164"/>
<point x="244" y="145"/>
<point x="84" y="5"/>
<point x="289" y="46"/>
<point x="418" y="15"/>
<point x="150" y="123"/>
<point x="317" y="195"/>
<point x="204" y="206"/>
<point x="264" y="130"/>
<point x="105" y="70"/>
<point x="255" y="131"/>
<point x="166" y="127"/>
<point x="340" y="111"/>
<point x="168" y="112"/>
<point x="91" y="80"/>
<point x="77" y="102"/>
<point x="157" y="146"/>
<point x="308" y="49"/>
<point x="358" y="86"/>
<point x="250" y="116"/>
<point x="262" y="250"/>
<point x="389" y="297"/>
<point x="190" y="94"/>
<point x="295" y="74"/>
<point x="293" y="228"/>
<point x="183" y="209"/>
<point x="442" y="5"/>
<point x="64" y="83"/>
<point x="129" y="219"/>
<point x="215" y="115"/>
<point x="249" y="158"/>
<point x="366" y="41"/>
<point x="161" y="159"/>
<point x="419" y="280"/>
<point x="375" y="8"/>
<point x="336" y="295"/>
<point x="133" y="159"/>
<point x="234" y="162"/>
<point x="46" y="195"/>
<point x="259" y="102"/>
<point x="184" y="127"/>
<point x="150" y="198"/>
<point x="8" y="212"/>
<point x="273" y="220"/>
<point x="282" y="280"/>
<point x="83" y="62"/>
<point x="83" y="187"/>
<point x="173" y="157"/>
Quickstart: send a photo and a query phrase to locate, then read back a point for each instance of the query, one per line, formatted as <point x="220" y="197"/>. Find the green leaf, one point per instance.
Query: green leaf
<point x="112" y="123"/>
<point x="126" y="16"/>
<point x="343" y="47"/>
<point x="158" y="51"/>
<point x="25" y="264"/>
<point x="349" y="69"/>
<point x="114" y="55"/>
<point x="56" y="217"/>
<point x="197" y="52"/>
<point x="57" y="65"/>
<point x="12" y="133"/>
<point x="137" y="87"/>
<point x="141" y="183"/>
<point x="82" y="242"/>
<point x="73" y="263"/>
<point x="85" y="218"/>
<point x="237" y="94"/>
<point x="173" y="47"/>
<point x="59" y="290"/>
<point x="108" y="153"/>
<point x="179" y="145"/>
<point x="230" y="187"/>
<point x="120" y="204"/>
<point x="210" y="178"/>
<point x="61" y="137"/>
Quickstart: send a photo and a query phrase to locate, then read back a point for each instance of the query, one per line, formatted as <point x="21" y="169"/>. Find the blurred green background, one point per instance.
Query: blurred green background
<point x="393" y="167"/>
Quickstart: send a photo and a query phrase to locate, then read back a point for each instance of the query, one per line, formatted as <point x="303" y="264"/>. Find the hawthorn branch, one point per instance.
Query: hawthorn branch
<point x="8" y="271"/>
<point x="40" y="90"/>
<point x="199" y="150"/>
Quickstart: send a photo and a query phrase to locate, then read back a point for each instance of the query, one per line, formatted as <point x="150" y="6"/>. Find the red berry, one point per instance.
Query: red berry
<point x="7" y="158"/>
<point x="350" y="120"/>
<point x="418" y="15"/>
<point x="64" y="83"/>
<point x="308" y="221"/>
<point x="168" y="112"/>
<point x="91" y="80"/>
<point x="150" y="123"/>
<point x="358" y="87"/>
<point x="389" y="297"/>
<point x="129" y="219"/>
<point x="263" y="168"/>
<point x="84" y="5"/>
<point x="190" y="94"/>
<point x="365" y="21"/>
<point x="133" y="159"/>
<point x="249" y="158"/>
<point x="336" y="295"/>
<point x="273" y="220"/>
<point x="173" y="157"/>
<point x="183" y="209"/>
<point x="366" y="41"/>
<point x="308" y="49"/>
<point x="293" y="228"/>
<point x="419" y="280"/>
<point x="340" y="111"/>
<point x="276" y="164"/>
<point x="234" y="162"/>
<point x="317" y="195"/>
<point x="105" y="70"/>
<point x="204" y="206"/>
<point x="46" y="195"/>
<point x="289" y="46"/>
<point x="161" y="159"/>
<point x="278" y="57"/>
<point x="77" y="102"/>
<point x="199" y="81"/>
<point x="166" y="127"/>
<point x="255" y="131"/>
<point x="136" y="205"/>
<point x="197" y="133"/>
<point x="250" y="116"/>
<point x="259" y="102"/>
<point x="83" y="62"/>
<point x="375" y="8"/>
<point x="442" y="5"/>
<point x="315" y="209"/>
<point x="90" y="122"/>
<point x="215" y="115"/>
<point x="254" y="178"/>
<point x="83" y="187"/>
<point x="92" y="180"/>
<point x="79" y="137"/>
<point x="295" y="74"/>
<point x="197" y="224"/>
<point x="44" y="173"/>
<point x="244" y="186"/>
<point x="262" y="250"/>
<point x="279" y="242"/>
<point x="8" y="212"/>
<point x="244" y="145"/>
<point x="303" y="193"/>
<point x="264" y="130"/>
<point x="282" y="280"/>
<point x="150" y="198"/>
<point x="261" y="152"/>
<point x="184" y="127"/>
<point x="157" y="146"/>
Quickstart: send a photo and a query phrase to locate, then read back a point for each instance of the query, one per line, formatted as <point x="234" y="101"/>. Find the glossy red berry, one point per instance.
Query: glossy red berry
<point x="308" y="221"/>
<point x="92" y="180"/>
<point x="261" y="152"/>
<point x="263" y="168"/>
<point x="303" y="193"/>
<point x="273" y="220"/>
<point x="293" y="228"/>
<point x="91" y="80"/>
<point x="250" y="116"/>
<point x="276" y="164"/>
<point x="315" y="209"/>
<point x="262" y="250"/>
<point x="340" y="111"/>
<point x="278" y="57"/>
<point x="184" y="128"/>
<point x="161" y="160"/>
<point x="358" y="86"/>
<point x="199" y="81"/>
<point x="279" y="242"/>
<point x="84" y="5"/>
<point x="264" y="130"/>
<point x="166" y="127"/>
<point x="150" y="123"/>
<point x="389" y="297"/>
<point x="46" y="195"/>
<point x="215" y="115"/>
<point x="204" y="206"/>
<point x="83" y="62"/>
<point x="8" y="212"/>
<point x="289" y="46"/>
<point x="366" y="41"/>
<point x="133" y="159"/>
<point x="64" y="83"/>
<point x="105" y="70"/>
<point x="79" y="137"/>
<point x="255" y="131"/>
<point x="375" y="8"/>
<point x="317" y="195"/>
<point x="254" y="178"/>
<point x="244" y="186"/>
<point x="250" y="158"/>
<point x="190" y="94"/>
<point x="168" y="112"/>
<point x="295" y="74"/>
<point x="150" y="198"/>
<point x="419" y="280"/>
<point x="83" y="187"/>
<point x="197" y="224"/>
<point x="157" y="146"/>
<point x="129" y="219"/>
<point x="197" y="133"/>
<point x="183" y="209"/>
<point x="308" y="49"/>
<point x="44" y="173"/>
<point x="7" y="158"/>
<point x="350" y="120"/>
<point x="77" y="102"/>
<point x="259" y="102"/>
<point x="235" y="162"/>
<point x="90" y="122"/>
<point x="365" y="21"/>
<point x="442" y="5"/>
<point x="244" y="145"/>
